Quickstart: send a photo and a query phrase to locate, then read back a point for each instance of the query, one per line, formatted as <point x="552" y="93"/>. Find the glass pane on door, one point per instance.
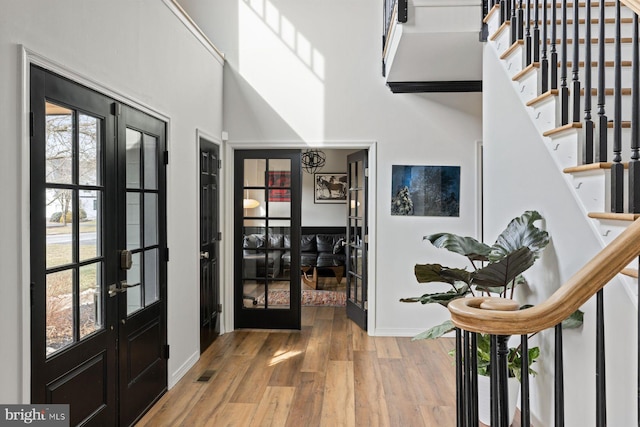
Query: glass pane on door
<point x="73" y="226"/>
<point x="142" y="220"/>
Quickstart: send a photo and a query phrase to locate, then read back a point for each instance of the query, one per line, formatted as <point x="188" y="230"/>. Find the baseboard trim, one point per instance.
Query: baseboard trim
<point x="436" y="86"/>
<point x="183" y="369"/>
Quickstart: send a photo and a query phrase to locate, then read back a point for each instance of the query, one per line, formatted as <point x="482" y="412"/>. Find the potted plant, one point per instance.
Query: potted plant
<point x="496" y="270"/>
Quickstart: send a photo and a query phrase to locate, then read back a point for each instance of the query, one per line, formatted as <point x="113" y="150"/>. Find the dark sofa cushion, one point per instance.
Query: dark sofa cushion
<point x="326" y="242"/>
<point x="308" y="243"/>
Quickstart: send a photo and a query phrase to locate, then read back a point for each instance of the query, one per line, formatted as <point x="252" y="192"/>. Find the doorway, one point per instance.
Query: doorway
<point x="98" y="253"/>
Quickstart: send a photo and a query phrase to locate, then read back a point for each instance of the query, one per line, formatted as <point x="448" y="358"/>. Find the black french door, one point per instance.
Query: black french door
<point x="357" y="238"/>
<point x="267" y="210"/>
<point x="98" y="253"/>
<point x="209" y="243"/>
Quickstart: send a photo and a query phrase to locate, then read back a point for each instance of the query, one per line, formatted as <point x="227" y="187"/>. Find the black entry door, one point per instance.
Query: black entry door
<point x="98" y="253"/>
<point x="209" y="243"/>
<point x="357" y="238"/>
<point x="267" y="193"/>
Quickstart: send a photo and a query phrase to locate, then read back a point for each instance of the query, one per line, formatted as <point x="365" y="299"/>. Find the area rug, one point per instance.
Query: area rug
<point x="309" y="298"/>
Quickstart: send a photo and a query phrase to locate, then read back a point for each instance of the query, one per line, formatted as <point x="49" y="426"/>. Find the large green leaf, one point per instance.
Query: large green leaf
<point x="427" y="273"/>
<point x="521" y="232"/>
<point x="436" y="331"/>
<point x="442" y="298"/>
<point x="504" y="271"/>
<point x="467" y="246"/>
<point x="574" y="321"/>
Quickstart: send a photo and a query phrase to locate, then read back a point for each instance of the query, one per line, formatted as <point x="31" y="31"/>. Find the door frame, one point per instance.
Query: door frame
<point x="28" y="58"/>
<point x="228" y="214"/>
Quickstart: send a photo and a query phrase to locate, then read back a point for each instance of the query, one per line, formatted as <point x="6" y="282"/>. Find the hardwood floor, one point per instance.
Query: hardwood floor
<point x="330" y="373"/>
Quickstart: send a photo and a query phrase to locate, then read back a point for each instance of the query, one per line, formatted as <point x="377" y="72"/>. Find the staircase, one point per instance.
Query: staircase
<point x="571" y="72"/>
<point x="582" y="144"/>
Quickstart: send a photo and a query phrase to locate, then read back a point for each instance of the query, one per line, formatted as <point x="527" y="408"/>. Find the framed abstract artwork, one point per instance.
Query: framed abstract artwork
<point x="425" y="190"/>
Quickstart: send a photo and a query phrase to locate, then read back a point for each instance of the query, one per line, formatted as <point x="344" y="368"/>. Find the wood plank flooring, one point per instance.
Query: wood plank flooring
<point x="330" y="373"/>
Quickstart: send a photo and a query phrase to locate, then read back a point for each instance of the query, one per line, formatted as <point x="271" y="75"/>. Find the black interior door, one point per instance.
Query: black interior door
<point x="267" y="193"/>
<point x="357" y="238"/>
<point x="209" y="243"/>
<point x="98" y="324"/>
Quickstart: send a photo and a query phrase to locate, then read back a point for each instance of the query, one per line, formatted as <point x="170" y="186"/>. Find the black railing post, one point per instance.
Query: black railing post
<point x="502" y="375"/>
<point x="564" y="89"/>
<point x="545" y="61"/>
<point x="587" y="154"/>
<point x="601" y="383"/>
<point x="467" y="378"/>
<point x="617" y="169"/>
<point x="634" y="163"/>
<point x="558" y="397"/>
<point x="602" y="117"/>
<point x="503" y="11"/>
<point x="493" y="380"/>
<point x="514" y="22"/>
<point x="473" y="380"/>
<point x="536" y="31"/>
<point x="520" y="20"/>
<point x="554" y="51"/>
<point x="460" y="392"/>
<point x="525" y="410"/>
<point x="576" y="63"/>
<point x="528" y="35"/>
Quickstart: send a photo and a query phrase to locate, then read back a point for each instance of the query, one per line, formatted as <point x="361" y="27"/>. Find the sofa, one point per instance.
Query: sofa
<point x="322" y="253"/>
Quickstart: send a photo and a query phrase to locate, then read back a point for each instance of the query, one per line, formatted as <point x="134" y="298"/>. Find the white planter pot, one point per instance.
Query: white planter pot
<point x="484" y="398"/>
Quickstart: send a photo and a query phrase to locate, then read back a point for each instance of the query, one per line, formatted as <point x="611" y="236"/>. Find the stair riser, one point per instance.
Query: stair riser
<point x="610" y="12"/>
<point x="609" y="76"/>
<point x="547" y="116"/>
<point x="626" y="29"/>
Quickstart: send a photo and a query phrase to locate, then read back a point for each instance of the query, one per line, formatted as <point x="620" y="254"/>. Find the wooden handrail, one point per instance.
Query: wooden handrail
<point x="481" y="314"/>
<point x="633" y="5"/>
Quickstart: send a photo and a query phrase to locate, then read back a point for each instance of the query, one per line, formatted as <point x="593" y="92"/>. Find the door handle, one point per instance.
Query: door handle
<point x="204" y="255"/>
<point x="115" y="290"/>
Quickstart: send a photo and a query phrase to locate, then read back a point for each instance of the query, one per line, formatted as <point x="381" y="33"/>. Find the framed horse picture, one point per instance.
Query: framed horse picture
<point x="330" y="187"/>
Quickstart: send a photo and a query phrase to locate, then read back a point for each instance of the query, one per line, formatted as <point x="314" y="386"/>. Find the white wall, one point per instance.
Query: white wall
<point x="137" y="49"/>
<point x="521" y="175"/>
<point x="309" y="72"/>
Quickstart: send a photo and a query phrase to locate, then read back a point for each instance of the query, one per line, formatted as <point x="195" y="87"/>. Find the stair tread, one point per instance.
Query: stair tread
<point x="548" y="94"/>
<point x="614" y="216"/>
<point x="608" y="64"/>
<point x="494" y="9"/>
<point x="592" y="167"/>
<point x="559" y="129"/>
<point x="511" y="49"/>
<point x="526" y="70"/>
<point x="588" y="167"/>
<point x="594" y="92"/>
<point x="500" y="29"/>
<point x="595" y="40"/>
<point x="631" y="272"/>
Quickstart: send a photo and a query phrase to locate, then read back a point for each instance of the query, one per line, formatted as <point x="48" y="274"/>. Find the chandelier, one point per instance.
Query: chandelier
<point x="313" y="160"/>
